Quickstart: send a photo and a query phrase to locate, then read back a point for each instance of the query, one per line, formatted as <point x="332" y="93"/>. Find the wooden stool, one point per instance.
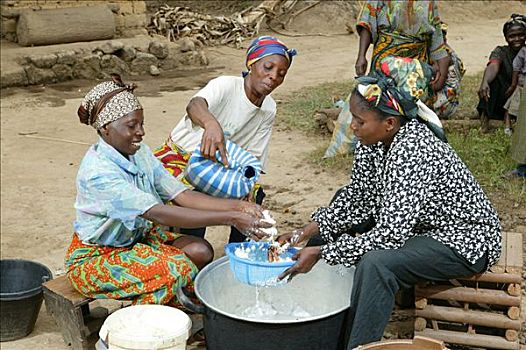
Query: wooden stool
<point x="481" y="310"/>
<point x="71" y="312"/>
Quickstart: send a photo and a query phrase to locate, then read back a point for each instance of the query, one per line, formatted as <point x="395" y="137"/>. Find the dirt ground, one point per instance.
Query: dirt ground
<point x="38" y="174"/>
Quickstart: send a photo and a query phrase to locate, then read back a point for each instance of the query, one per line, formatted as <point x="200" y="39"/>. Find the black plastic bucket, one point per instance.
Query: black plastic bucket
<point x="20" y="296"/>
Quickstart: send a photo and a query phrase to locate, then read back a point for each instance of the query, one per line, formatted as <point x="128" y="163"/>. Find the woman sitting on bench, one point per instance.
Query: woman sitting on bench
<point x="119" y="250"/>
<point x="421" y="213"/>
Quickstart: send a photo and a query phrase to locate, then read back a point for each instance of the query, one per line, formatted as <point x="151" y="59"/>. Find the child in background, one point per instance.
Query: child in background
<point x="514" y="91"/>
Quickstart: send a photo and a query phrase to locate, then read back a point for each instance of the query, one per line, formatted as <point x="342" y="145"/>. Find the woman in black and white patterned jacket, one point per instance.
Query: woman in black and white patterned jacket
<point x="421" y="213"/>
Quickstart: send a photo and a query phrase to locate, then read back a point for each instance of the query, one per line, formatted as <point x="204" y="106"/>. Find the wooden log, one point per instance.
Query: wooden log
<point x="514" y="253"/>
<point x="511" y="335"/>
<point x="479" y="340"/>
<point x="470" y="295"/>
<point x="514" y="312"/>
<point x="420" y="303"/>
<point x="480" y="318"/>
<point x="494" y="277"/>
<point x="420" y="324"/>
<point x="500" y="266"/>
<point x="514" y="289"/>
<point x="66" y="25"/>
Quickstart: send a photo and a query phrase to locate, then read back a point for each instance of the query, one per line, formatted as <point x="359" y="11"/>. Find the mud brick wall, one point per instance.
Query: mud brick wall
<point x="130" y="15"/>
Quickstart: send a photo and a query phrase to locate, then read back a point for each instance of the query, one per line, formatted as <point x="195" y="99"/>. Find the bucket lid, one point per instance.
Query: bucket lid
<point x="146" y="327"/>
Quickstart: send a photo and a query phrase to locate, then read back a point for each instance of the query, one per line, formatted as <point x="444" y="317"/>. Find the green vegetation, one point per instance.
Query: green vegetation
<point x="297" y="110"/>
<point x="487" y="155"/>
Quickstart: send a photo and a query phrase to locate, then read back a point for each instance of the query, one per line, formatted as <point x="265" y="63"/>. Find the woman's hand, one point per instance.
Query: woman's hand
<point x="213" y="140"/>
<point x="250" y="208"/>
<point x="250" y="225"/>
<point x="306" y="259"/>
<point x="293" y="238"/>
<point x="439" y="83"/>
<point x="484" y="90"/>
<point x="509" y="92"/>
<point x="298" y="236"/>
<point x="361" y="65"/>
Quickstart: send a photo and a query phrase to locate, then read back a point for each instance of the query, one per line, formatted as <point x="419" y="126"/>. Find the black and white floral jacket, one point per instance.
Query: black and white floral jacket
<point x="419" y="186"/>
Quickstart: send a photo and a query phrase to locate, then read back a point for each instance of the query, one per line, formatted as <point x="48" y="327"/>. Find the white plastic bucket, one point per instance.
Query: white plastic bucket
<point x="145" y="327"/>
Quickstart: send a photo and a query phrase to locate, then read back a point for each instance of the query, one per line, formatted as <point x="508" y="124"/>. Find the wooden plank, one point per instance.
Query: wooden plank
<point x="514" y="253"/>
<point x="480" y="340"/>
<point x="480" y="318"/>
<point x="470" y="295"/>
<point x="62" y="287"/>
<point x="494" y="277"/>
<point x="500" y="266"/>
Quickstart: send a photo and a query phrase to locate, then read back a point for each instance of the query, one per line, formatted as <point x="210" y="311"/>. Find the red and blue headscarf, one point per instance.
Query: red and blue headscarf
<point x="265" y="46"/>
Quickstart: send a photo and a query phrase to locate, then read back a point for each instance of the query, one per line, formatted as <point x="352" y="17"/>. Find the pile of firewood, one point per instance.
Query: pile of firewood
<point x="177" y="22"/>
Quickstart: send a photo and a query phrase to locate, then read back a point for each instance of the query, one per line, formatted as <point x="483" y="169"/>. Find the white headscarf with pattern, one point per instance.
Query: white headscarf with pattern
<point x="107" y="102"/>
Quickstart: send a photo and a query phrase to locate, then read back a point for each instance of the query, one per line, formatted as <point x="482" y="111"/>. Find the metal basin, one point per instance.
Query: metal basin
<point x="322" y="296"/>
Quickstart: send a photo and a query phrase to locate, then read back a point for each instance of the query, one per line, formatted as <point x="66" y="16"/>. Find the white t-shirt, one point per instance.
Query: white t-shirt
<point x="243" y="123"/>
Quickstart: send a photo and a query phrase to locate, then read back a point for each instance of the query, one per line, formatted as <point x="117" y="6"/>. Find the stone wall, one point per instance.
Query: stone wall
<point x="130" y="15"/>
<point x="97" y="60"/>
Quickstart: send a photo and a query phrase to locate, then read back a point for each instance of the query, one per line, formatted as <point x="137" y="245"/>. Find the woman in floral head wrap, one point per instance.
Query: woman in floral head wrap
<point x="120" y="249"/>
<point x="420" y="213"/>
<point x="235" y="108"/>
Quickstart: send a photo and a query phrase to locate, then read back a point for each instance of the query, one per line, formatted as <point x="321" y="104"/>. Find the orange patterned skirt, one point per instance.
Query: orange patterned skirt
<point x="149" y="272"/>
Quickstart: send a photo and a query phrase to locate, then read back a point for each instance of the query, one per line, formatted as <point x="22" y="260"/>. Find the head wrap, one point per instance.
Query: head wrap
<point x="396" y="90"/>
<point x="107" y="102"/>
<point x="266" y="46"/>
<point x="515" y="20"/>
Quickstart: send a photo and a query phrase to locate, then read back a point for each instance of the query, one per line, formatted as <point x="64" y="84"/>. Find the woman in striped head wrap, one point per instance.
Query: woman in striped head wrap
<point x="420" y="212"/>
<point x="119" y="249"/>
<point x="235" y="108"/>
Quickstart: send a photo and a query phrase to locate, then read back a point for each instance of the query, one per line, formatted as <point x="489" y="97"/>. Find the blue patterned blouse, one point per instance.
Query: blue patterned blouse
<point x="113" y="192"/>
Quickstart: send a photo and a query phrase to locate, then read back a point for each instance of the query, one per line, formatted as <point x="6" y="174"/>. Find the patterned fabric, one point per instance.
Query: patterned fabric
<point x="149" y="272"/>
<point x="419" y="186"/>
<point x="265" y="46"/>
<point x="395" y="44"/>
<point x="213" y="178"/>
<point x="116" y="107"/>
<point x="174" y="159"/>
<point x="113" y="192"/>
<point x="445" y="102"/>
<point x="397" y="88"/>
<point x="403" y="28"/>
<point x="504" y="55"/>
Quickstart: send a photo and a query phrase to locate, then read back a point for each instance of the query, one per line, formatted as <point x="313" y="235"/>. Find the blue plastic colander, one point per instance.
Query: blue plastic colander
<point x="256" y="270"/>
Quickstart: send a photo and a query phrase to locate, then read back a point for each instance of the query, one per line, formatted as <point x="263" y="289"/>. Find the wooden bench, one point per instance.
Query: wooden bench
<point x="481" y="310"/>
<point x="71" y="312"/>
